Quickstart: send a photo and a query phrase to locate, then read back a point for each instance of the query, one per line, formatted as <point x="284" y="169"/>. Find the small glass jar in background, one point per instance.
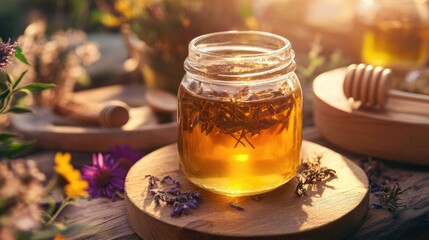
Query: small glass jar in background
<point x="393" y="33"/>
<point x="240" y="113"/>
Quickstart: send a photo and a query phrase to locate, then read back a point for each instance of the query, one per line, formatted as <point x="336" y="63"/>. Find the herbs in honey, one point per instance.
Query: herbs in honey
<point x="239" y="114"/>
<point x="240" y="143"/>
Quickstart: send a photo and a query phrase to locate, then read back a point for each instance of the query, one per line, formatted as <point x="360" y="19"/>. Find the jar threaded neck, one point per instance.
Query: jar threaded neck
<point x="240" y="56"/>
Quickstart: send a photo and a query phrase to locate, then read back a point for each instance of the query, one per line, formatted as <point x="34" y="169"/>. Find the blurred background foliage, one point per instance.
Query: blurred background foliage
<point x="295" y="19"/>
<point x="321" y="31"/>
<point x="15" y="15"/>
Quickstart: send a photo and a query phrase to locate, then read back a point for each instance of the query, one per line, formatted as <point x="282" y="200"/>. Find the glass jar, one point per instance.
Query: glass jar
<point x="240" y="113"/>
<point x="393" y="33"/>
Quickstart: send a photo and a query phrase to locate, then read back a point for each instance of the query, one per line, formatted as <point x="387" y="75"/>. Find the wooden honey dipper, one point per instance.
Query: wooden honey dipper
<point x="111" y="114"/>
<point x="371" y="86"/>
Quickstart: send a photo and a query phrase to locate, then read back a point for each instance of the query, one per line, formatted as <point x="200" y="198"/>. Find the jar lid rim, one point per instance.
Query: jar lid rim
<point x="285" y="46"/>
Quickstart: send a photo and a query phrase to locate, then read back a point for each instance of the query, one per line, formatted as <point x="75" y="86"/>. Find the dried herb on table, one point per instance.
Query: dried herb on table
<point x="374" y="171"/>
<point x="389" y="197"/>
<point x="235" y="206"/>
<point x="182" y="202"/>
<point x="312" y="174"/>
<point x="258" y="198"/>
<point x="380" y="184"/>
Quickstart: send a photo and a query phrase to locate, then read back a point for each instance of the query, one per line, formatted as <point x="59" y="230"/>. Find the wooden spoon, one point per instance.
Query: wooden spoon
<point x="110" y="114"/>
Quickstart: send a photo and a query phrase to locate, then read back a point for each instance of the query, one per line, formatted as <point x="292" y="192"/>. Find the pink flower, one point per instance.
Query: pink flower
<point x="7" y="50"/>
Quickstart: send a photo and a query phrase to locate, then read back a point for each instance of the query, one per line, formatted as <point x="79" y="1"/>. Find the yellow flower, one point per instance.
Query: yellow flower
<point x="62" y="163"/>
<point x="75" y="187"/>
<point x="126" y="9"/>
<point x="109" y="20"/>
<point x="251" y="23"/>
<point x="130" y="8"/>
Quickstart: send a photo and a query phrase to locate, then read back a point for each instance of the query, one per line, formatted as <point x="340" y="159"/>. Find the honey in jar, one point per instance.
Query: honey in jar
<point x="240" y="113"/>
<point x="394" y="34"/>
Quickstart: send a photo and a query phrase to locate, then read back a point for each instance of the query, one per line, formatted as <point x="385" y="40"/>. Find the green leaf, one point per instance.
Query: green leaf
<point x="5" y="103"/>
<point x="18" y="80"/>
<point x="5" y="136"/>
<point x="19" y="109"/>
<point x="15" y="148"/>
<point x="4" y="94"/>
<point x="20" y="56"/>
<point x="8" y="79"/>
<point x="3" y="77"/>
<point x="33" y="87"/>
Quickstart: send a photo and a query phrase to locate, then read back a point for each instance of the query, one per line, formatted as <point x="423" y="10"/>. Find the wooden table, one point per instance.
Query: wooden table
<point x="107" y="220"/>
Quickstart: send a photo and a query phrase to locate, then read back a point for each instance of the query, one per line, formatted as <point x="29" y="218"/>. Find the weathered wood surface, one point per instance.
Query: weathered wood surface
<point x="108" y="220"/>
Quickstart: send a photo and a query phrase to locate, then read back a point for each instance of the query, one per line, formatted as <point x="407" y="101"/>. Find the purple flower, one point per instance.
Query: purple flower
<point x="7" y="50"/>
<point x="125" y="156"/>
<point x="105" y="177"/>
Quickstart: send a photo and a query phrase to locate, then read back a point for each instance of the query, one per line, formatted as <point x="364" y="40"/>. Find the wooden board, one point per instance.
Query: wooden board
<point x="335" y="210"/>
<point x="51" y="131"/>
<point x="400" y="132"/>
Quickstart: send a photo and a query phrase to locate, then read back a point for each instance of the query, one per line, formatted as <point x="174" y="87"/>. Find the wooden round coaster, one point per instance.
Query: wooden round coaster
<point x="333" y="209"/>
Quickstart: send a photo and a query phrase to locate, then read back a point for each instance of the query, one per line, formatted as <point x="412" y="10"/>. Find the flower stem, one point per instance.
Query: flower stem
<point x="64" y="204"/>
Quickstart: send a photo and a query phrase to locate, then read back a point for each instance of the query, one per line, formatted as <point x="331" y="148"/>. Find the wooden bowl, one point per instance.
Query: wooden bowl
<point x="394" y="133"/>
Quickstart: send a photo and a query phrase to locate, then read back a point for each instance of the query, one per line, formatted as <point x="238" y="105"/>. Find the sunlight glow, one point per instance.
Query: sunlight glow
<point x="242" y="157"/>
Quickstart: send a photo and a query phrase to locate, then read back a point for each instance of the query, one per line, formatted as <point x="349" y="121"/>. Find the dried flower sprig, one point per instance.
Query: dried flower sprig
<point x="58" y="58"/>
<point x="312" y="174"/>
<point x="21" y="190"/>
<point x="182" y="202"/>
<point x="375" y="172"/>
<point x="389" y="197"/>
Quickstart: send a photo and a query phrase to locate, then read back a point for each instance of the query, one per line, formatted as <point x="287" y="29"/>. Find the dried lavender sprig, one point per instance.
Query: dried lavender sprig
<point x="182" y="202"/>
<point x="175" y="182"/>
<point x="174" y="190"/>
<point x="152" y="182"/>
